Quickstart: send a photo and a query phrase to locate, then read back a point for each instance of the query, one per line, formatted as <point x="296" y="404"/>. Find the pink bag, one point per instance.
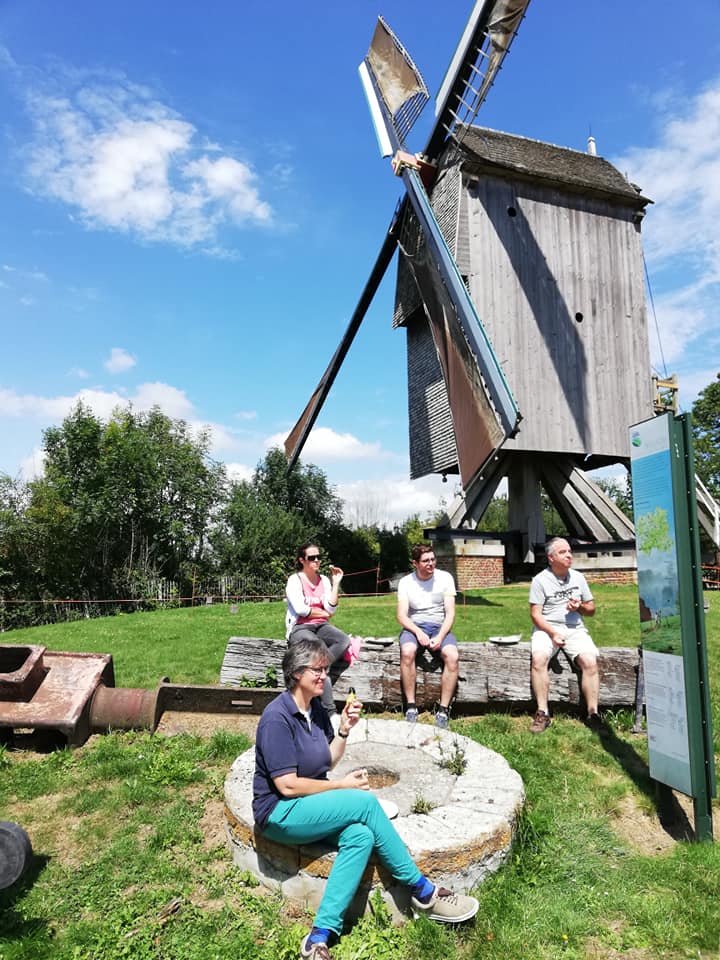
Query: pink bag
<point x="353" y="651"/>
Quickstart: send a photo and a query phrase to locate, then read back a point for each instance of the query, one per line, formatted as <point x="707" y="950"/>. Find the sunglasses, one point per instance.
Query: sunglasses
<point x="312" y="558"/>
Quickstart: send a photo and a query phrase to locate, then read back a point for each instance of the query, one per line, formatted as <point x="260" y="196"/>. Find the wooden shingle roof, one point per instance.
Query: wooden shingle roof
<point x="482" y="148"/>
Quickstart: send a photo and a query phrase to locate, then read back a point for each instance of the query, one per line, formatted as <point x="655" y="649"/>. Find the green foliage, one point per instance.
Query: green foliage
<point x="420" y="805"/>
<point x="619" y="491"/>
<point x="120" y="504"/>
<point x="454" y="759"/>
<point x="706" y="433"/>
<point x="495" y="517"/>
<point x="127" y="873"/>
<point x="267" y="518"/>
<point x="653" y="532"/>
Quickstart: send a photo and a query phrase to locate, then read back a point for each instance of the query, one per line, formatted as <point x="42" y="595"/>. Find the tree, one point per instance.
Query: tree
<point x="304" y="491"/>
<point x="619" y="491"/>
<point x="495" y="517"/>
<point x="266" y="519"/>
<point x="256" y="537"/>
<point x="706" y="433"/>
<point x="120" y="502"/>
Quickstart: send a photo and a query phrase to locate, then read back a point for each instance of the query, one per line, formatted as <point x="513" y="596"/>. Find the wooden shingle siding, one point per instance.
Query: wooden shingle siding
<point x="432" y="439"/>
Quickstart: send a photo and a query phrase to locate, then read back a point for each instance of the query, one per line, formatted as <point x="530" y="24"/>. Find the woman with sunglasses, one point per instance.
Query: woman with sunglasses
<point x="312" y="599"/>
<point x="294" y="803"/>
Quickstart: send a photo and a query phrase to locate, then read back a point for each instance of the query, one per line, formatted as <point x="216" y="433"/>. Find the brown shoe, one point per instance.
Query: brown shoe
<point x="541" y="721"/>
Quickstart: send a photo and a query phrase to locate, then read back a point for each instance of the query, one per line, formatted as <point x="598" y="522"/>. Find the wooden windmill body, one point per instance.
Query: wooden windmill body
<point x="548" y="243"/>
<point x="521" y="288"/>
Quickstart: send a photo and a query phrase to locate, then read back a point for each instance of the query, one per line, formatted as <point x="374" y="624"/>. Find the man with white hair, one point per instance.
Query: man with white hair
<point x="559" y="599"/>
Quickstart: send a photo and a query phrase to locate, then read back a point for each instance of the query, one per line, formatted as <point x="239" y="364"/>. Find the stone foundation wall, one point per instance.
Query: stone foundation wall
<point x="611" y="576"/>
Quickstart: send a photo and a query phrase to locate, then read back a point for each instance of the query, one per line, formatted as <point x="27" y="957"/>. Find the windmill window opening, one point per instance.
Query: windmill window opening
<point x="511" y="211"/>
<point x="579" y="317"/>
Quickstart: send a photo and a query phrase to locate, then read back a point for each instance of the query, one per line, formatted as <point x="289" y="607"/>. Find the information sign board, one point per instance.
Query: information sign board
<point x="671" y="611"/>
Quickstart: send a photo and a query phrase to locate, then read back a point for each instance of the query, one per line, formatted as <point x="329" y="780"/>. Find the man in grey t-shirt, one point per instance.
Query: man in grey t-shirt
<point x="559" y="598"/>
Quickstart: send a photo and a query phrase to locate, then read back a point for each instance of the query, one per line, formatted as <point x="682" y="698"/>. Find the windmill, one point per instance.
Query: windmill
<point x="464" y="416"/>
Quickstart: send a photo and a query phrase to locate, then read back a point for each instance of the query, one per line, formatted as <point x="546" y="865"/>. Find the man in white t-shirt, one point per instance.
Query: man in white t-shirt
<point x="426" y="611"/>
<point x="559" y="599"/>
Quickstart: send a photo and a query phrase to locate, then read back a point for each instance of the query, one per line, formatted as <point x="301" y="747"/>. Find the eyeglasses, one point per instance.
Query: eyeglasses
<point x="312" y="559"/>
<point x="317" y="671"/>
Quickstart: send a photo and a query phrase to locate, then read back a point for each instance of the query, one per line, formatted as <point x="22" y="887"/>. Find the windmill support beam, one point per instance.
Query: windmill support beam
<point x="587" y="511"/>
<point x="563" y="494"/>
<point x="525" y="509"/>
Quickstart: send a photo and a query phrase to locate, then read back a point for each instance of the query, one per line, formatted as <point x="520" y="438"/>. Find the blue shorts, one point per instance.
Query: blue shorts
<point x="431" y="629"/>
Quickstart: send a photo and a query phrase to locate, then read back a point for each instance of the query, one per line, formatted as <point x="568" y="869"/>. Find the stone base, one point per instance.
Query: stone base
<point x="465" y="836"/>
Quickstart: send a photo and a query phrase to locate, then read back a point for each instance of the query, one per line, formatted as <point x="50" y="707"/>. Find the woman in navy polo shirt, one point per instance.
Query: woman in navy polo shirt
<point x="294" y="803"/>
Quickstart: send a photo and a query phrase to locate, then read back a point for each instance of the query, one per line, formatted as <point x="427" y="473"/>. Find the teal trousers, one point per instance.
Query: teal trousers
<point x="353" y="821"/>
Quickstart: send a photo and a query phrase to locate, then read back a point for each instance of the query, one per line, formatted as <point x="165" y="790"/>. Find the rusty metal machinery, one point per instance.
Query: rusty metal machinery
<point x="74" y="695"/>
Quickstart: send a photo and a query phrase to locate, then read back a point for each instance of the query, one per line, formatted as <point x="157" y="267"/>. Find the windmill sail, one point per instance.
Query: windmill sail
<point x="483" y="405"/>
<point x="490" y="30"/>
<point x="482" y="417"/>
<point x="483" y="409"/>
<point x="298" y="435"/>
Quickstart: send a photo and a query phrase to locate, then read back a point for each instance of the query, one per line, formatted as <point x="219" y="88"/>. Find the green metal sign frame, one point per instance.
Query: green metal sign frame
<point x="700" y="783"/>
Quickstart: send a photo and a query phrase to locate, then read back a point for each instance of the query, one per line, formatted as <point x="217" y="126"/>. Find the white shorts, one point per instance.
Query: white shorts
<point x="577" y="641"/>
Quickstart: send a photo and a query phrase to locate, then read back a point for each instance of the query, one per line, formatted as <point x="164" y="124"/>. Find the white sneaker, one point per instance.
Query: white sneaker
<point x="335" y="721"/>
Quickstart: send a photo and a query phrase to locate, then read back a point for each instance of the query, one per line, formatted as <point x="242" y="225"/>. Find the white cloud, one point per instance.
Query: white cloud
<point x="171" y="401"/>
<point x="78" y="372"/>
<point x="681" y="233"/>
<point x="124" y="161"/>
<point x="222" y="438"/>
<point x="325" y="444"/>
<point x="119" y="361"/>
<point x="230" y="181"/>
<point x="33" y="465"/>
<point x="245" y="415"/>
<point x="238" y="471"/>
<point x="390" y="500"/>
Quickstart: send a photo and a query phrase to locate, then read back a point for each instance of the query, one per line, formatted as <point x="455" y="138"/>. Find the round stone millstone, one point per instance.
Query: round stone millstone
<point x="472" y="796"/>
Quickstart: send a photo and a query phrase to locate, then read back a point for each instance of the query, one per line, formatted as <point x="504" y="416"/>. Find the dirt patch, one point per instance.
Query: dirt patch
<point x="653" y="834"/>
<point x="212" y="824"/>
<point x="596" y="951"/>
<point x="206" y="724"/>
<point x="55" y="833"/>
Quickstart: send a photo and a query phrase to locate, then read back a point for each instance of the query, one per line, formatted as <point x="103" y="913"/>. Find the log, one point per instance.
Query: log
<point x="490" y="674"/>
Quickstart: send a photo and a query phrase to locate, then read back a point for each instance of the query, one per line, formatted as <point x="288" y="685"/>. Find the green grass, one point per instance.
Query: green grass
<point x="187" y="645"/>
<point x="124" y="868"/>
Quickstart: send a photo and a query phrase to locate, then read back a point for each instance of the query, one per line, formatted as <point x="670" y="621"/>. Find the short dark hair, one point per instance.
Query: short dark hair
<point x="302" y="654"/>
<point x="419" y="549"/>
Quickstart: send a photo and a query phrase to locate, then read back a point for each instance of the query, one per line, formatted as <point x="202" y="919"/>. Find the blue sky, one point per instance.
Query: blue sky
<point x="192" y="199"/>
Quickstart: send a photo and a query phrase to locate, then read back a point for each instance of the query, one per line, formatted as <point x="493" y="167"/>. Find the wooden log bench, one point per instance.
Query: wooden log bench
<point x="490" y="675"/>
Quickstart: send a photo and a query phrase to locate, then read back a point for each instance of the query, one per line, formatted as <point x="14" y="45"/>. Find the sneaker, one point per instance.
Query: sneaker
<point x="335" y="721"/>
<point x="441" y="720"/>
<point x="541" y="721"/>
<point x="411" y="714"/>
<point x="595" y="723"/>
<point x="446" y="907"/>
<point x="314" y="951"/>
